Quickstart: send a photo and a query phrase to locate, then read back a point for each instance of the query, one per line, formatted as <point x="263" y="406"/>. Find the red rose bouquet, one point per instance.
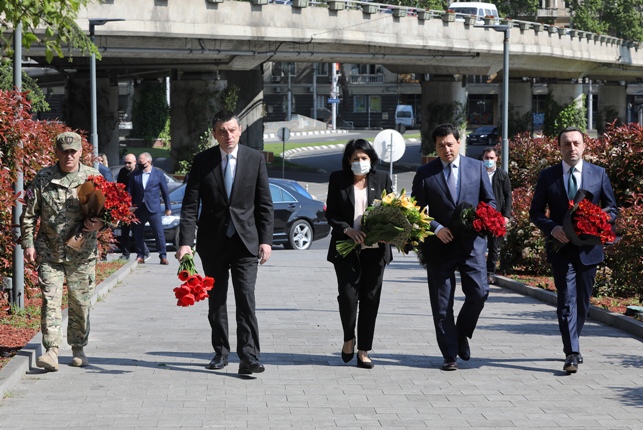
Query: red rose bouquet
<point x="102" y="199"/>
<point x="484" y="220"/>
<point x="195" y="287"/>
<point x="585" y="223"/>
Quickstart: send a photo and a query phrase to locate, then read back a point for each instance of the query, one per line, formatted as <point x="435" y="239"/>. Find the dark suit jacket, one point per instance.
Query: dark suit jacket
<point x="502" y="192"/>
<point x="550" y="193"/>
<point x="340" y="205"/>
<point x="250" y="205"/>
<point x="430" y="188"/>
<point x="151" y="195"/>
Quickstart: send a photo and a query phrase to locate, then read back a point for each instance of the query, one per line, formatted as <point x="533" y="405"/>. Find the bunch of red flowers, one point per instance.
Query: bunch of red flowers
<point x="118" y="202"/>
<point x="195" y="287"/>
<point x="589" y="219"/>
<point x="486" y="220"/>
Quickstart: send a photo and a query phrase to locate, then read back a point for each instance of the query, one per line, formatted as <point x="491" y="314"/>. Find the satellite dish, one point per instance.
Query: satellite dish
<point x="389" y="145"/>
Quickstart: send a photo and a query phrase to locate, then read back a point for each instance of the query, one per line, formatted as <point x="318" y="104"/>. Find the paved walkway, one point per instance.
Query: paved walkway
<point x="147" y="359"/>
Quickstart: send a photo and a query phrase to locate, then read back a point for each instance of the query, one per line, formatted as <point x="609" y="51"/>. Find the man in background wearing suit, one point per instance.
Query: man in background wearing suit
<point x="230" y="183"/>
<point x="502" y="193"/>
<point x="573" y="267"/>
<point x="442" y="184"/>
<point x="123" y="178"/>
<point x="146" y="186"/>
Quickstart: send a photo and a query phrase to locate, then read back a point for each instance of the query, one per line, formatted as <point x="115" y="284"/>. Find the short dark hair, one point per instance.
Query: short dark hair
<point x="223" y="116"/>
<point x="359" y="145"/>
<point x="487" y="150"/>
<point x="445" y="129"/>
<point x="569" y="130"/>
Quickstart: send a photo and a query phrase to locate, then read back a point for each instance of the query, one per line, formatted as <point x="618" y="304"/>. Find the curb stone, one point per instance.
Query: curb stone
<point x="622" y="322"/>
<point x="25" y="360"/>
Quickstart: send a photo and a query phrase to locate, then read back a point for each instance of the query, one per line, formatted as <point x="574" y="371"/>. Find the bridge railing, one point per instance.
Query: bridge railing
<point x="369" y="7"/>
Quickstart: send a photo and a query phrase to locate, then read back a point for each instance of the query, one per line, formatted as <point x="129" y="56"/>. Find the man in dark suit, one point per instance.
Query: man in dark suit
<point x="147" y="185"/>
<point x="573" y="267"/>
<point x="442" y="184"/>
<point x="230" y="183"/>
<point x="123" y="178"/>
<point x="502" y="193"/>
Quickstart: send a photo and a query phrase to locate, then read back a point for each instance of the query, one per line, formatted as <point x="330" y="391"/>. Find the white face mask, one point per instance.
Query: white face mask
<point x="489" y="163"/>
<point x="361" y="167"/>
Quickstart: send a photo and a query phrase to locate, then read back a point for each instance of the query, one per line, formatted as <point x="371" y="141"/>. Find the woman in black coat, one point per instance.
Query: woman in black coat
<point x="359" y="274"/>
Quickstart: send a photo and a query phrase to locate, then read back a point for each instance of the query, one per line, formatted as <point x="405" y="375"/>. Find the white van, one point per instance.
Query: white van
<point x="404" y="115"/>
<point x="480" y="10"/>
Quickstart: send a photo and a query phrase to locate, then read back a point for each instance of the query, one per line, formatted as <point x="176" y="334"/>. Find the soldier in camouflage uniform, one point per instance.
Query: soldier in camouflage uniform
<point x="52" y="197"/>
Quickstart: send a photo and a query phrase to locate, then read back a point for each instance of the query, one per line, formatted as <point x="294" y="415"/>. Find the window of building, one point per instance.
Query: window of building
<point x="480" y="109"/>
<point x="323" y="69"/>
<point x="363" y="104"/>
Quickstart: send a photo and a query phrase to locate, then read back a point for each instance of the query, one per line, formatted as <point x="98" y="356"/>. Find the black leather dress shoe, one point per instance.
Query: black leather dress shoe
<point x="463" y="348"/>
<point x="250" y="365"/>
<point x="580" y="358"/>
<point x="217" y="363"/>
<point x="449" y="364"/>
<point x="571" y="363"/>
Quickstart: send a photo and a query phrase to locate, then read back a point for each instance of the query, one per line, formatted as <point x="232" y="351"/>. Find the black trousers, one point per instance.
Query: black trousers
<point x="493" y="253"/>
<point x="359" y="284"/>
<point x="239" y="264"/>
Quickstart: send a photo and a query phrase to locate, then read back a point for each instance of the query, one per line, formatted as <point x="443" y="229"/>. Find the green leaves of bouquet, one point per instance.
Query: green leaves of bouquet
<point x="395" y="219"/>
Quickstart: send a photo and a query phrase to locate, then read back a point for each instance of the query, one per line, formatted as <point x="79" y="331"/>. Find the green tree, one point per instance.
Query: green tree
<point x="518" y="8"/>
<point x="29" y="85"/>
<point x="422" y="4"/>
<point x="47" y="22"/>
<point x="619" y="18"/>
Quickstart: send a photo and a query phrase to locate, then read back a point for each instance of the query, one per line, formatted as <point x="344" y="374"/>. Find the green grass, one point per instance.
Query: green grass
<point x="277" y="147"/>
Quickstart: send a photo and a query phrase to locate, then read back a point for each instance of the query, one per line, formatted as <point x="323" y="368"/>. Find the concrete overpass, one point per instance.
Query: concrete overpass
<point x="231" y="35"/>
<point x="194" y="40"/>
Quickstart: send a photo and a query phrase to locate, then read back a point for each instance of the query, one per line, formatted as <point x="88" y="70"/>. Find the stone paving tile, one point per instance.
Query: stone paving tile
<point x="147" y="360"/>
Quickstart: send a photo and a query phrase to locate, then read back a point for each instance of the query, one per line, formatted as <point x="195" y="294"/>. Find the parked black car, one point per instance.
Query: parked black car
<point x="299" y="219"/>
<point x="481" y="138"/>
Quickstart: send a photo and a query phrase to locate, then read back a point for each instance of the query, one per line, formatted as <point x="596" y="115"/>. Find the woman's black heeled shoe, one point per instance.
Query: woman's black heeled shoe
<point x="364" y="364"/>
<point x="348" y="356"/>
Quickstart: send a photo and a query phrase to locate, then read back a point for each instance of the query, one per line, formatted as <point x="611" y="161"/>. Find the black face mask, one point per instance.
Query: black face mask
<point x="141" y="166"/>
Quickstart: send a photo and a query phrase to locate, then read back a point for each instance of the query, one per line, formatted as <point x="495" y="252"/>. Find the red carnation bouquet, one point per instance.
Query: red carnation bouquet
<point x="484" y="220"/>
<point x="195" y="287"/>
<point x="585" y="223"/>
<point x="102" y="199"/>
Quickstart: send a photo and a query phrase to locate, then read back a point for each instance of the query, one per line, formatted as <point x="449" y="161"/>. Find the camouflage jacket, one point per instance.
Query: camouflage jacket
<point x="53" y="197"/>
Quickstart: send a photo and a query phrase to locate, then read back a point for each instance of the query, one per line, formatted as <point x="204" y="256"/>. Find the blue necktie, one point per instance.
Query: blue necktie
<point x="227" y="180"/>
<point x="227" y="176"/>
<point x="451" y="183"/>
<point x="572" y="185"/>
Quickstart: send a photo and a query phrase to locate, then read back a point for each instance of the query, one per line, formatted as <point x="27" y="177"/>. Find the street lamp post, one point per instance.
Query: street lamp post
<point x="505" y="91"/>
<point x="93" y="22"/>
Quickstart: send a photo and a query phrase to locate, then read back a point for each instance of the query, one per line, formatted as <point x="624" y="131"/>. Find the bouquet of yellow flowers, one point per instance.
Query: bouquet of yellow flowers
<point x="395" y="219"/>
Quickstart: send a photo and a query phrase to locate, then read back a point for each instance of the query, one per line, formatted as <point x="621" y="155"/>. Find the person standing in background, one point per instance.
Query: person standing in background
<point x="502" y="193"/>
<point x="147" y="185"/>
<point x="123" y="178"/>
<point x="103" y="167"/>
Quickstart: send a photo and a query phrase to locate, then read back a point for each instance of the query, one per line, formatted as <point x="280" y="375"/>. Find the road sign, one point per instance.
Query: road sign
<point x="333" y="101"/>
<point x="283" y="134"/>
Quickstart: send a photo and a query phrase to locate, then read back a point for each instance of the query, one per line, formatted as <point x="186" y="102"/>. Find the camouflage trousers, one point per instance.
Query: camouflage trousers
<point x="81" y="281"/>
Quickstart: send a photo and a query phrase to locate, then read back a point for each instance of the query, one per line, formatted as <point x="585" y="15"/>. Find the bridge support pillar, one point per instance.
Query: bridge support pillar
<point x="520" y="106"/>
<point x="612" y="103"/>
<point x="249" y="104"/>
<point x="444" y="99"/>
<point x="567" y="93"/>
<point x="193" y="103"/>
<point x="77" y="108"/>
